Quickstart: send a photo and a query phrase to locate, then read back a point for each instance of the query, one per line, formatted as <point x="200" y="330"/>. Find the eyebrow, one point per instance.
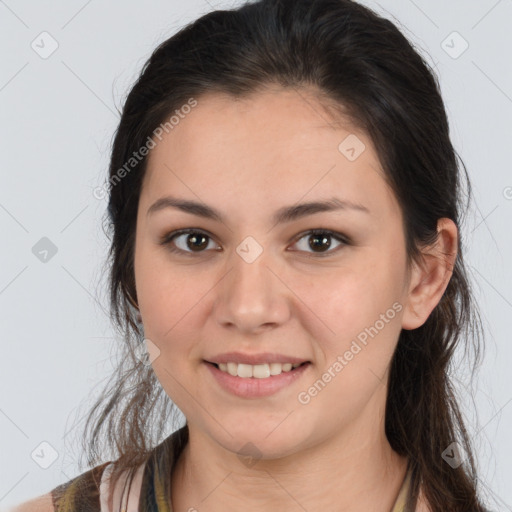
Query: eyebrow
<point x="283" y="215"/>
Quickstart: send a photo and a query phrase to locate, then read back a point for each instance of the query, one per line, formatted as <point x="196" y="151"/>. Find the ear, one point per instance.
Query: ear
<point x="429" y="280"/>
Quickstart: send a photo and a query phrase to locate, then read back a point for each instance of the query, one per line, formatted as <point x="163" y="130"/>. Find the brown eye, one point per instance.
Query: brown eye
<point x="196" y="241"/>
<point x="320" y="242"/>
<point x="188" y="241"/>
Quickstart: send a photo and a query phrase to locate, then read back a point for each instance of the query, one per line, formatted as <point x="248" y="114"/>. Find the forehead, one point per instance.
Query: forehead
<point x="273" y="146"/>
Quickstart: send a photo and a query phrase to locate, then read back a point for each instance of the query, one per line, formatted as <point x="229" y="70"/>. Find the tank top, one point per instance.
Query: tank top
<point x="149" y="490"/>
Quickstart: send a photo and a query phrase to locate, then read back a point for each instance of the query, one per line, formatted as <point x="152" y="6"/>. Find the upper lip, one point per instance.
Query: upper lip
<point x="266" y="357"/>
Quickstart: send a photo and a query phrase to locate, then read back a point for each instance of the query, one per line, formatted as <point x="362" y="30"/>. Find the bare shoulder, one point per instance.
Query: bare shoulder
<point x="43" y="503"/>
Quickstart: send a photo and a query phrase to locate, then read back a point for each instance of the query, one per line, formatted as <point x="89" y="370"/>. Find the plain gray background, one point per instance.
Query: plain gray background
<point x="58" y="115"/>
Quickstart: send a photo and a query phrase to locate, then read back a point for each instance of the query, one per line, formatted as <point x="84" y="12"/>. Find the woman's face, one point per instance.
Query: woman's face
<point x="252" y="285"/>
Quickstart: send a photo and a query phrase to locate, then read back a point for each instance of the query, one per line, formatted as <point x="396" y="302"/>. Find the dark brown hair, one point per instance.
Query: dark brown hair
<point x="362" y="64"/>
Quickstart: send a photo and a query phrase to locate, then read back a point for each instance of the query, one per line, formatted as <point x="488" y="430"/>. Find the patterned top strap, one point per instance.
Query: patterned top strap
<point x="80" y="493"/>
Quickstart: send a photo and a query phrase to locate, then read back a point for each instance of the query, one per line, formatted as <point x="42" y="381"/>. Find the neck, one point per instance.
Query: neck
<point x="355" y="467"/>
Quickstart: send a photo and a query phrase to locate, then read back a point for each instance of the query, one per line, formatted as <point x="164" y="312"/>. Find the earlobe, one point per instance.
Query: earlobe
<point x="429" y="280"/>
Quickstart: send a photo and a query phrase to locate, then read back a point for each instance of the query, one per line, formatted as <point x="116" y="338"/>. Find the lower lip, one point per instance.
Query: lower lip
<point x="253" y="387"/>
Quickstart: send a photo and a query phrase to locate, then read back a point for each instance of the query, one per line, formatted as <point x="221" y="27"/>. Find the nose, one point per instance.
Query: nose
<point x="252" y="297"/>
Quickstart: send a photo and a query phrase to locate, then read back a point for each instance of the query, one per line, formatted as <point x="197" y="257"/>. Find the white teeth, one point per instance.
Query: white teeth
<point x="244" y="370"/>
<point x="275" y="368"/>
<point x="258" y="371"/>
<point x="232" y="369"/>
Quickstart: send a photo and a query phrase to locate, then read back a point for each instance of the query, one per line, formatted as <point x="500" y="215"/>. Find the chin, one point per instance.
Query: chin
<point x="268" y="440"/>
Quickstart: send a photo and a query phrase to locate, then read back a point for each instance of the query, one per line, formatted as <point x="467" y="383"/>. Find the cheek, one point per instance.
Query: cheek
<point x="160" y="285"/>
<point x="348" y="299"/>
<point x="167" y="295"/>
<point x="359" y="308"/>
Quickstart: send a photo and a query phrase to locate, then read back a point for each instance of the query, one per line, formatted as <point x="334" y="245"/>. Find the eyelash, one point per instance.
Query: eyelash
<point x="167" y="240"/>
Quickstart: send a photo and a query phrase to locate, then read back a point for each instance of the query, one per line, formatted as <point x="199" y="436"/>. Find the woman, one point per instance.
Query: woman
<point x="285" y="204"/>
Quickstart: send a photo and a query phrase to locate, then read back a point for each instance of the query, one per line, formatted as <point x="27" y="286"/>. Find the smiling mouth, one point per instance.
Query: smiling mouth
<point x="257" y="371"/>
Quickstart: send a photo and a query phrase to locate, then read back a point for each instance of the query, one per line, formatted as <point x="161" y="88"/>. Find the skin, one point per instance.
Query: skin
<point x="248" y="158"/>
